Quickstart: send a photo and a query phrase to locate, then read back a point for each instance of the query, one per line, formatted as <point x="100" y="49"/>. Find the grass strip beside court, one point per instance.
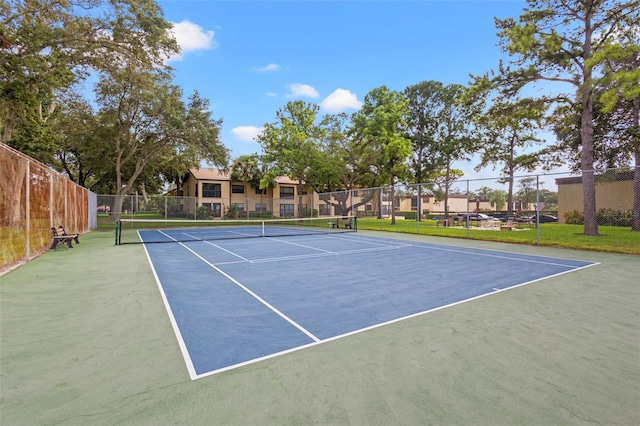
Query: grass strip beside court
<point x="612" y="239"/>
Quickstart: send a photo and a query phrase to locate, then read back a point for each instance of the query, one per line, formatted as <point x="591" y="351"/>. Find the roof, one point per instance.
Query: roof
<point x="215" y="174"/>
<point x="209" y="174"/>
<point x="621" y="176"/>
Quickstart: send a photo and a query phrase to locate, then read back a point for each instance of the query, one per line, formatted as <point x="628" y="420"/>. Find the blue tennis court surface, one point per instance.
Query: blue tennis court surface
<point x="234" y="302"/>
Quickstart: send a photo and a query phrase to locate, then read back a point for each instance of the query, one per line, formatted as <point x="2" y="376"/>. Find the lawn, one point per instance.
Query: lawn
<point x="612" y="239"/>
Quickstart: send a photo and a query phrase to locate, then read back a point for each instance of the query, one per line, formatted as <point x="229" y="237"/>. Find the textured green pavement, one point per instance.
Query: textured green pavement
<point x="85" y="340"/>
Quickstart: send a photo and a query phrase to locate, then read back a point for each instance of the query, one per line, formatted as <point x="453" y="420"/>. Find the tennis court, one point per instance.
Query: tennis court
<point x="233" y="300"/>
<point x="86" y="338"/>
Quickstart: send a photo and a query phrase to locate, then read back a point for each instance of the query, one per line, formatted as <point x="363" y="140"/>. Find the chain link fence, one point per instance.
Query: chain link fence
<point x="34" y="198"/>
<point x="525" y="200"/>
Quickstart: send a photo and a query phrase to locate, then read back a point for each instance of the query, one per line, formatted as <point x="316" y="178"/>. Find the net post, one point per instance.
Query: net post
<point x="263" y="232"/>
<point x="117" y="226"/>
<point x="355" y="224"/>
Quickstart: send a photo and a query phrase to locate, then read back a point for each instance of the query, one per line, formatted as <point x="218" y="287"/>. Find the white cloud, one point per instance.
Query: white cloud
<point x="192" y="37"/>
<point x="269" y="68"/>
<point x="271" y="95"/>
<point x="302" y="90"/>
<point x="246" y="133"/>
<point x="340" y="100"/>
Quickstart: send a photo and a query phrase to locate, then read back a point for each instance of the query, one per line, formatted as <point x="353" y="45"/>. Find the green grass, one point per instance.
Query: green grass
<point x="612" y="239"/>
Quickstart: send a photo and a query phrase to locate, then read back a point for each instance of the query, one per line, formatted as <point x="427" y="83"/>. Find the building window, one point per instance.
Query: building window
<point x="261" y="207"/>
<point x="216" y="208"/>
<point x="286" y="191"/>
<point x="324" y="210"/>
<point x="237" y="189"/>
<point x="213" y="190"/>
<point x="286" y="210"/>
<point x="261" y="191"/>
<point x="238" y="206"/>
<point x="326" y="196"/>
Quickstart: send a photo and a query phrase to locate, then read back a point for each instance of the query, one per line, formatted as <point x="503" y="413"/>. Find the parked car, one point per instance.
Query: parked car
<point x="503" y="217"/>
<point x="547" y="218"/>
<point x="543" y="218"/>
<point x="472" y="217"/>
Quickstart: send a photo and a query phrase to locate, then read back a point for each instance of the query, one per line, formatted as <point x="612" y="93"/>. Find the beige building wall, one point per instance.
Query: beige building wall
<point x="616" y="195"/>
<point x="249" y="200"/>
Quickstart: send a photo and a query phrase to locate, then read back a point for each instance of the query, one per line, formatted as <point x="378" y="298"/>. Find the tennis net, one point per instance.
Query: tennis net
<point x="136" y="231"/>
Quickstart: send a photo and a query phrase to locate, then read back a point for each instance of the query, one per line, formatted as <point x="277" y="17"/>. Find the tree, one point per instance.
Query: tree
<point x="549" y="198"/>
<point x="526" y="191"/>
<point x="246" y="168"/>
<point x="565" y="41"/>
<point x="379" y="129"/>
<point x="616" y="113"/>
<point x="341" y="169"/>
<point x="484" y="192"/>
<point x="46" y="46"/>
<point x="79" y="152"/>
<point x="509" y="127"/>
<point x="497" y="199"/>
<point x="621" y="96"/>
<point x="425" y="104"/>
<point x="145" y="120"/>
<point x="291" y="145"/>
<point x="454" y="139"/>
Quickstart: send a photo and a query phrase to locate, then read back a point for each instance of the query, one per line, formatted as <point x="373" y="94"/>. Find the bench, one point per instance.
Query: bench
<point x="346" y="221"/>
<point x="60" y="237"/>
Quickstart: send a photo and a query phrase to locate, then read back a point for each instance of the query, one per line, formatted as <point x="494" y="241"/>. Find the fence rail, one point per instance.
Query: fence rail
<point x="558" y="195"/>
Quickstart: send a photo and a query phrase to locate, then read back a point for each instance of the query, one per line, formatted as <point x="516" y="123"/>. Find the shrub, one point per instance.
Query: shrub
<point x="407" y="214"/>
<point x="574" y="218"/>
<point x="610" y="217"/>
<point x="204" y="212"/>
<point x="233" y="212"/>
<point x="310" y="212"/>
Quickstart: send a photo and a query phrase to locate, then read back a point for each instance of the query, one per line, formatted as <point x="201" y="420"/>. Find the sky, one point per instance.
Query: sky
<point x="250" y="58"/>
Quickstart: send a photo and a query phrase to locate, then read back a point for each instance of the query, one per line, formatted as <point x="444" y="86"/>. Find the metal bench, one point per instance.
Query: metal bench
<point x="346" y="221"/>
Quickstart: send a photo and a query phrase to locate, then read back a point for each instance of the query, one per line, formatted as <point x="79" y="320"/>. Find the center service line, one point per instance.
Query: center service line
<point x="260" y="299"/>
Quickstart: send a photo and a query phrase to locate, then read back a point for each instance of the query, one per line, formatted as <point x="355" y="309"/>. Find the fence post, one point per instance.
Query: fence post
<point x="538" y="209"/>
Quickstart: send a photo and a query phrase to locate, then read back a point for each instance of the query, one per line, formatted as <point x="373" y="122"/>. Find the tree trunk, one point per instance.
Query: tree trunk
<point x="12" y="181"/>
<point x="586" y="132"/>
<point x="9" y="122"/>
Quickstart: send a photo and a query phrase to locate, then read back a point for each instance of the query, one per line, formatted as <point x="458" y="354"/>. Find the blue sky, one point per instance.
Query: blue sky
<point x="249" y="58"/>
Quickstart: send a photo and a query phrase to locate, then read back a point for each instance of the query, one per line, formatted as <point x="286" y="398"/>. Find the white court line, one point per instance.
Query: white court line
<point x="228" y="251"/>
<point x="504" y="257"/>
<point x="183" y="347"/>
<point x="277" y="259"/>
<point x="300" y="245"/>
<point x="366" y="240"/>
<point x="480" y="252"/>
<point x="317" y="341"/>
<point x="469" y="250"/>
<point x="260" y="299"/>
<point x="314" y="255"/>
<point x="362" y="330"/>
